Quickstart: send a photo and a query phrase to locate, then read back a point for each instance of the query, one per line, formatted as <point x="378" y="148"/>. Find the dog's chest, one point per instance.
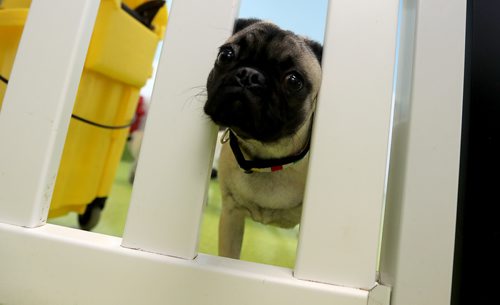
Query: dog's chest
<point x="277" y="190"/>
<point x="271" y="198"/>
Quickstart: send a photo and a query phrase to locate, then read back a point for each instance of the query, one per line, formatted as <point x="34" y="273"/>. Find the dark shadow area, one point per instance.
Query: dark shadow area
<point x="478" y="228"/>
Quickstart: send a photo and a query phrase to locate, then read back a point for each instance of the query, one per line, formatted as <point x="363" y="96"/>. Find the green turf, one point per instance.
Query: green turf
<point x="262" y="244"/>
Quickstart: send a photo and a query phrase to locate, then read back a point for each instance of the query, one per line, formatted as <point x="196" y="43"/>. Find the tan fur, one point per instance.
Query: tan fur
<point x="270" y="198"/>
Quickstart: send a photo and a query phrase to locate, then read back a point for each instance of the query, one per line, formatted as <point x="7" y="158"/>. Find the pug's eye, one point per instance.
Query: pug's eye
<point x="294" y="82"/>
<point x="226" y="54"/>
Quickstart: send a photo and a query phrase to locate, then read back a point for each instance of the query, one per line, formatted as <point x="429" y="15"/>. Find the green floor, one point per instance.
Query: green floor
<point x="263" y="244"/>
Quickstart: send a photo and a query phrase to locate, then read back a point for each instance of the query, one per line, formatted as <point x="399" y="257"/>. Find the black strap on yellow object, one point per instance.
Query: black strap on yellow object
<point x="74" y="116"/>
<point x="3" y="79"/>
<point x="100" y="125"/>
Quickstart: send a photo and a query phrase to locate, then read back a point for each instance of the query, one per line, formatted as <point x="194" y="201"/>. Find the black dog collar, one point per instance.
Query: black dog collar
<point x="264" y="165"/>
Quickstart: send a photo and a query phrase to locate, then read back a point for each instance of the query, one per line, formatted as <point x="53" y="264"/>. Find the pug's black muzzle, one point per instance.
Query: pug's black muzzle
<point x="250" y="79"/>
<point x="237" y="102"/>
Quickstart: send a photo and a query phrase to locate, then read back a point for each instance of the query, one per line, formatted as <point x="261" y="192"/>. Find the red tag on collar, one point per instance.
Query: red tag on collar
<point x="276" y="168"/>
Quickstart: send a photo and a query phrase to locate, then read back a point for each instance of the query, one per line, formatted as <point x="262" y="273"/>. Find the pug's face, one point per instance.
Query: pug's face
<point x="264" y="82"/>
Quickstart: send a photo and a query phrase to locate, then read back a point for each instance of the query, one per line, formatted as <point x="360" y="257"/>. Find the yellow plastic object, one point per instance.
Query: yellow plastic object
<point x="11" y="28"/>
<point x="118" y="64"/>
<point x="15" y="3"/>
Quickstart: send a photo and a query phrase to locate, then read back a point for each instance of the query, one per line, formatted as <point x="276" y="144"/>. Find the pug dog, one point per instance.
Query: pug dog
<point x="263" y="88"/>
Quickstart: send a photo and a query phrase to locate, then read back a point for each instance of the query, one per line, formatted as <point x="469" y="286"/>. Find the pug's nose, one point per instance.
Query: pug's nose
<point x="250" y="78"/>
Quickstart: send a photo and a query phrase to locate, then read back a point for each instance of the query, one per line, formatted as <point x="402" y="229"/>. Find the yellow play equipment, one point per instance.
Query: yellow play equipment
<point x="118" y="64"/>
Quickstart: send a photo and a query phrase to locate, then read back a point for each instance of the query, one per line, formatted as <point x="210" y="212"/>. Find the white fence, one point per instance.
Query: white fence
<point x="157" y="262"/>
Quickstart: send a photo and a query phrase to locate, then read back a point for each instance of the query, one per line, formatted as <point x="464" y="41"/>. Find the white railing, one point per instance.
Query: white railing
<point x="157" y="261"/>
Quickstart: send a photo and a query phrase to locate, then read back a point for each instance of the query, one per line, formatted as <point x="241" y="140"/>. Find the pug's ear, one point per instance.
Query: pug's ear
<point x="242" y="23"/>
<point x="316" y="48"/>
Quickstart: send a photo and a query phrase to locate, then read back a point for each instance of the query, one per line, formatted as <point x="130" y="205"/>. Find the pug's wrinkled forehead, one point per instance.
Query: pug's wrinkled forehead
<point x="259" y="42"/>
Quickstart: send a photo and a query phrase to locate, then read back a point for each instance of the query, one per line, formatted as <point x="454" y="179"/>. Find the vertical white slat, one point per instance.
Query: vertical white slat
<point x="174" y="167"/>
<point x="419" y="229"/>
<point x="37" y="105"/>
<point x="345" y="188"/>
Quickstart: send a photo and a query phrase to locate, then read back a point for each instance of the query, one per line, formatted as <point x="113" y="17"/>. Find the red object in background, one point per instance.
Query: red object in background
<point x="139" y="115"/>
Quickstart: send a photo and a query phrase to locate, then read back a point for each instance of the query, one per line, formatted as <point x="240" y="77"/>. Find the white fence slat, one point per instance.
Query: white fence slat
<point x="72" y="266"/>
<point x="419" y="231"/>
<point x="176" y="156"/>
<point x="37" y="105"/>
<point x="345" y="188"/>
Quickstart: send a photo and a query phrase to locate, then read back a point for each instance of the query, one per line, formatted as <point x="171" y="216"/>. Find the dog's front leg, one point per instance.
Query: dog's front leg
<point x="231" y="229"/>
